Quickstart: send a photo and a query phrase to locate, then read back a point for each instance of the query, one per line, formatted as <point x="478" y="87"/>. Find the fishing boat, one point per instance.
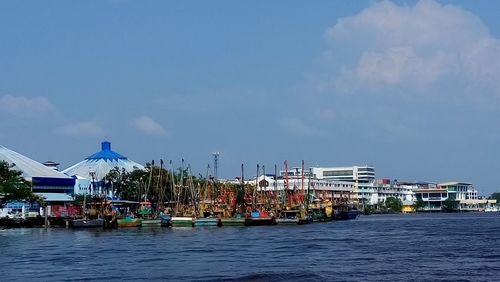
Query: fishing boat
<point x="129" y="222"/>
<point x="259" y="218"/>
<point x="182" y="221"/>
<point x="233" y="221"/>
<point x="208" y="221"/>
<point x="87" y="223"/>
<point x="346" y="213"/>
<point x="287" y="219"/>
<point x="290" y="217"/>
<point x="151" y="222"/>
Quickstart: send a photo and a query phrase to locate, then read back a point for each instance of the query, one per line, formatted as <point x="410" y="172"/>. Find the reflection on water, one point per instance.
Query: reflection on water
<point x="371" y="248"/>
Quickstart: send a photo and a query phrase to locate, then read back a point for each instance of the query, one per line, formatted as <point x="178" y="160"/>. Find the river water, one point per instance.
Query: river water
<point x="411" y="247"/>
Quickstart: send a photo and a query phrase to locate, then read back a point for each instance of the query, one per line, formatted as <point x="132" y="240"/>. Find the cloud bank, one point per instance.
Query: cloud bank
<point x="422" y="47"/>
<point x="81" y="129"/>
<point x="25" y="107"/>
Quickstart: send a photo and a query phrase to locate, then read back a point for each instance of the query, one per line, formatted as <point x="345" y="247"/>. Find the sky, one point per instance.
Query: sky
<point x="410" y="87"/>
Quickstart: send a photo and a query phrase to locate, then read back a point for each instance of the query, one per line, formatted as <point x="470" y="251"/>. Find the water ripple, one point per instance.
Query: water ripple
<point x="437" y="247"/>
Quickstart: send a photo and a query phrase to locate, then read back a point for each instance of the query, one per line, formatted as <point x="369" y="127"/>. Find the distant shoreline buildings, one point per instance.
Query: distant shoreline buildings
<point x="355" y="184"/>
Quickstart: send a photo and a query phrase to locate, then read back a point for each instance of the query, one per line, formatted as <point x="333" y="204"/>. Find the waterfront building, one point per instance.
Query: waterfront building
<point x="461" y="190"/>
<point x="464" y="193"/>
<point x="55" y="187"/>
<point x="364" y="186"/>
<point x="351" y="173"/>
<point x="377" y="191"/>
<point x="433" y="198"/>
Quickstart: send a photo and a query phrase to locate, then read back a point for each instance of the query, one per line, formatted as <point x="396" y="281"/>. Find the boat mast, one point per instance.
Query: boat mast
<point x="263" y="190"/>
<point x="255" y="190"/>
<point x="172" y="181"/>
<point x="276" y="193"/>
<point x="302" y="180"/>
<point x="242" y="188"/>
<point x="150" y="180"/>
<point x="286" y="182"/>
<point x="308" y="188"/>
<point x="158" y="190"/>
<point x="206" y="194"/>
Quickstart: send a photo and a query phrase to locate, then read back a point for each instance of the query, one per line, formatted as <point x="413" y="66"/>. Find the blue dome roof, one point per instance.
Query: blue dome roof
<point x="106" y="153"/>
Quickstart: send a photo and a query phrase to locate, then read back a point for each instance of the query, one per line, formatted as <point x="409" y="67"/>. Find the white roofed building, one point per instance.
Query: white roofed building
<point x="46" y="182"/>
<point x="95" y="167"/>
<point x="101" y="163"/>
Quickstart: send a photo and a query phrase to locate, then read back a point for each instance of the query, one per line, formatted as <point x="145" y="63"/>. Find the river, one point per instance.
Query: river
<point x="405" y="247"/>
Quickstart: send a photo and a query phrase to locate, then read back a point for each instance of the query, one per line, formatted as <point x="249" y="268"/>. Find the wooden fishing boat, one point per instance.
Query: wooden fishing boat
<point x="182" y="221"/>
<point x="257" y="219"/>
<point x="321" y="210"/>
<point x="288" y="217"/>
<point x="129" y="222"/>
<point x="87" y="223"/>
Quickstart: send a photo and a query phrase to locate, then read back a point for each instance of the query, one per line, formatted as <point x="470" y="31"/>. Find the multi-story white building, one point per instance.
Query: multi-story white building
<point x="377" y="191"/>
<point x="461" y="190"/>
<point x="351" y="173"/>
<point x="464" y="193"/>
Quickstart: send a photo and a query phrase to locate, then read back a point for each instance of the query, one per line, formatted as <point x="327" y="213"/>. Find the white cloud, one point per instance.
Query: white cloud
<point x="81" y="129"/>
<point x="148" y="126"/>
<point x="26" y="107"/>
<point x="419" y="47"/>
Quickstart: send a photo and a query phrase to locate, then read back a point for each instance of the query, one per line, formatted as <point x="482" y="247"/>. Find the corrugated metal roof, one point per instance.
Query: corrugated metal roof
<point x="30" y="168"/>
<point x="454" y="183"/>
<point x="101" y="167"/>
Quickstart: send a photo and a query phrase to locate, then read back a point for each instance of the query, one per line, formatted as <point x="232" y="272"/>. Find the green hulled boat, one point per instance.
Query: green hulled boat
<point x="182" y="221"/>
<point x="129" y="222"/>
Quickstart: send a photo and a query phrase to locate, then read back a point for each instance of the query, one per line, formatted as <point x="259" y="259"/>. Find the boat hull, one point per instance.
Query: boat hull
<point x="207" y="222"/>
<point x="258" y="221"/>
<point x="287" y="221"/>
<point x="233" y="222"/>
<point x="127" y="222"/>
<point x="182" y="221"/>
<point x="151" y="222"/>
<point x="348" y="215"/>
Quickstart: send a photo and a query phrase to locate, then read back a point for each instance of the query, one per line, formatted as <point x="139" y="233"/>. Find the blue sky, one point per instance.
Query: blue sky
<point x="411" y="87"/>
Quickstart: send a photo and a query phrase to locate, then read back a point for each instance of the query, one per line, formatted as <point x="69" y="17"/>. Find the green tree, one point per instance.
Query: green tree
<point x="495" y="196"/>
<point x="13" y="186"/>
<point x="450" y="205"/>
<point x="419" y="204"/>
<point x="368" y="209"/>
<point x="394" y="204"/>
<point x="127" y="185"/>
